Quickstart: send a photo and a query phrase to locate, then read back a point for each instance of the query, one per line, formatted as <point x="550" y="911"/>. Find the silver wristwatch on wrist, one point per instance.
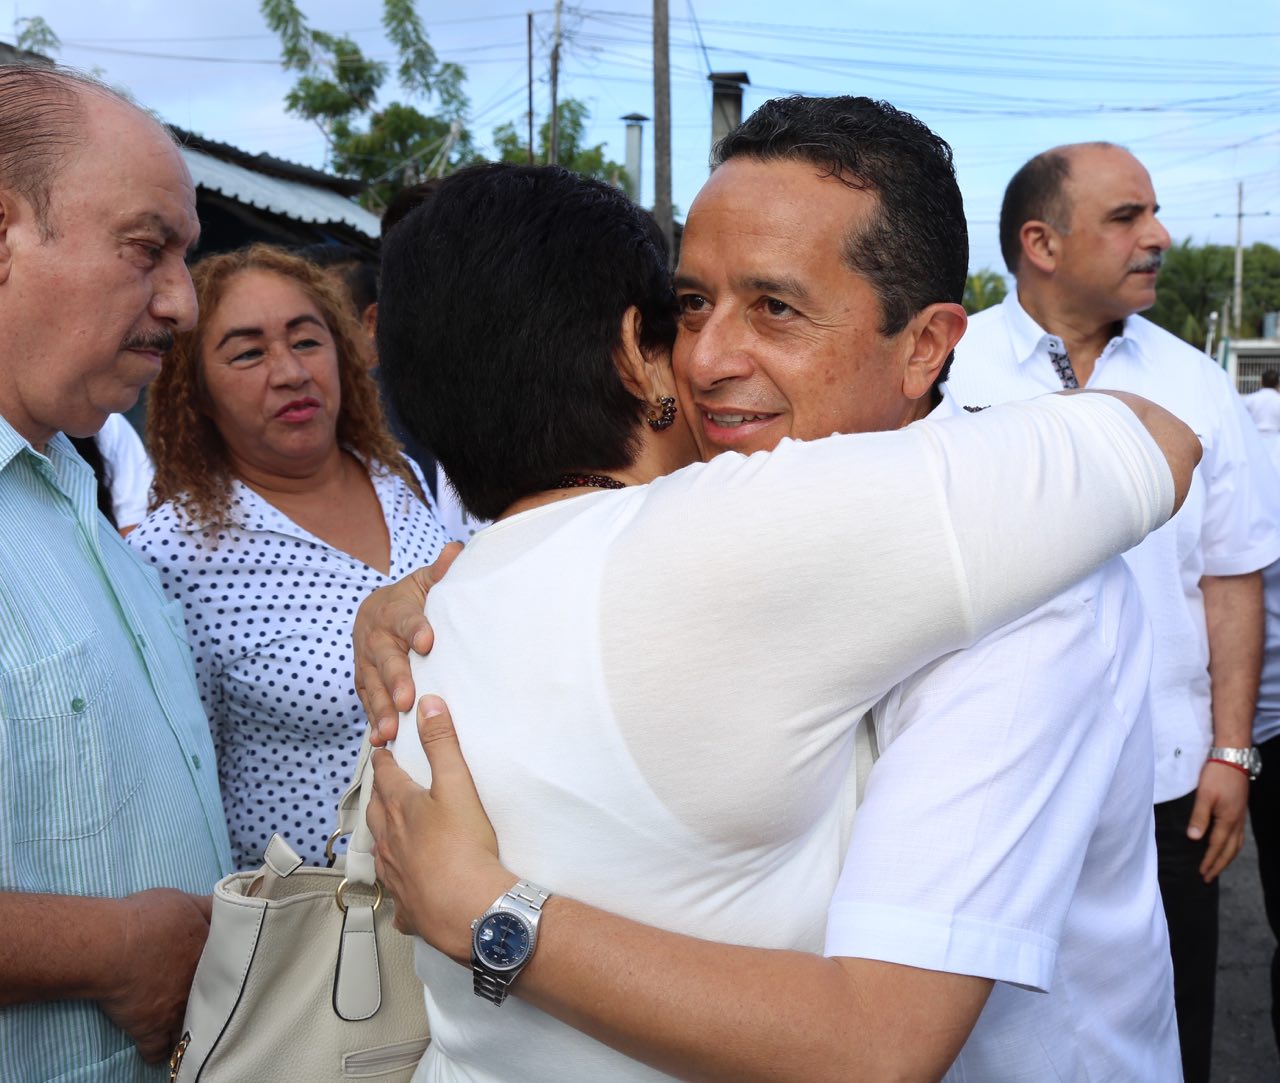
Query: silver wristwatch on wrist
<point x="1248" y="758"/>
<point x="503" y="939"/>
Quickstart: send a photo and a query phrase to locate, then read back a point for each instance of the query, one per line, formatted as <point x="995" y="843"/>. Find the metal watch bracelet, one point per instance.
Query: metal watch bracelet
<point x="528" y="900"/>
<point x="1247" y="760"/>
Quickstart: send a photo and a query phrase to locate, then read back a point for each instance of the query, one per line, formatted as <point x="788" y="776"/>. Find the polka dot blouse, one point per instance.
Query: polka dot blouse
<point x="268" y="610"/>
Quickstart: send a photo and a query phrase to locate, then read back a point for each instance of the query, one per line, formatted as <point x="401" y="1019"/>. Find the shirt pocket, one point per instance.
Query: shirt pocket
<point x="69" y="772"/>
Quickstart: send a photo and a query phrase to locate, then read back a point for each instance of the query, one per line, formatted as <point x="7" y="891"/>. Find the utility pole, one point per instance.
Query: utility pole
<point x="529" y="40"/>
<point x="662" y="127"/>
<point x="1237" y="292"/>
<point x="555" y="86"/>
<point x="1237" y="285"/>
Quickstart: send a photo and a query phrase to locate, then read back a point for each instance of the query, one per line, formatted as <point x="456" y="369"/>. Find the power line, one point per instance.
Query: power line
<point x="268" y="36"/>
<point x="1172" y="67"/>
<point x="698" y="30"/>
<point x="826" y="32"/>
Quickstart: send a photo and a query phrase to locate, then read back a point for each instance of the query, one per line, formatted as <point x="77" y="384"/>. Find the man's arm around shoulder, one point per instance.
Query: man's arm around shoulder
<point x="692" y="1008"/>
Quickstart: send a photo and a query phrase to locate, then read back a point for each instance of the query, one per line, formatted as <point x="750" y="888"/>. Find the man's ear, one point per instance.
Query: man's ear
<point x="1039" y="245"/>
<point x="936" y="330"/>
<point x="7" y="207"/>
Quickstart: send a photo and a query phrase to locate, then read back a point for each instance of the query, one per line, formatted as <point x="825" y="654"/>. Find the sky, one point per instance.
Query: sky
<point x="1192" y="90"/>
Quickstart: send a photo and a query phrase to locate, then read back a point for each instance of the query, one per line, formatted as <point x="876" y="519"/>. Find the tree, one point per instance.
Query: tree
<point x="982" y="289"/>
<point x="36" y="36"/>
<point x="1195" y="280"/>
<point x="337" y="88"/>
<point x="573" y="116"/>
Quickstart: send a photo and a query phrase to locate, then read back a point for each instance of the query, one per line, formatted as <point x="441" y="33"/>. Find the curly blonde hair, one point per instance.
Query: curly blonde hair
<point x="193" y="468"/>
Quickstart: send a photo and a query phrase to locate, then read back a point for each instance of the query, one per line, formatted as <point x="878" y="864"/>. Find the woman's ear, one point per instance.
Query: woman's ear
<point x="647" y="376"/>
<point x="629" y="357"/>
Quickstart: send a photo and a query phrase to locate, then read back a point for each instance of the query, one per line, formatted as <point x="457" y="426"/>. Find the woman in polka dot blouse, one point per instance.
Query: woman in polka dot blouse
<point x="280" y="501"/>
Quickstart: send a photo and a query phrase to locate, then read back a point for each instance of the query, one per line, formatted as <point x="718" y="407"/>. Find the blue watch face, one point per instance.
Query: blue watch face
<point x="502" y="941"/>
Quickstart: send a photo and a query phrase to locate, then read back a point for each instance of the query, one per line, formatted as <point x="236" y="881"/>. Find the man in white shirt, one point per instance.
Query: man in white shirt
<point x="1264" y="407"/>
<point x="1005" y="837"/>
<point x="129" y="471"/>
<point x="1264" y="404"/>
<point x="1079" y="231"/>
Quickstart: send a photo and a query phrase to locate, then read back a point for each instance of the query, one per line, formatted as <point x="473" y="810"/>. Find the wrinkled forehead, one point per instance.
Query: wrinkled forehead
<point x="776" y="206"/>
<point x="128" y="171"/>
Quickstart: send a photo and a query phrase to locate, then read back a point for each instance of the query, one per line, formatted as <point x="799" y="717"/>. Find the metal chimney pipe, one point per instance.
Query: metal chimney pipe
<point x="635" y="151"/>
<point x="726" y="102"/>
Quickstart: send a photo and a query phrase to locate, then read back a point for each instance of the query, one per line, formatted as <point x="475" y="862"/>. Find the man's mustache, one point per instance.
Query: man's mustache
<point x="1148" y="265"/>
<point x="149" y="342"/>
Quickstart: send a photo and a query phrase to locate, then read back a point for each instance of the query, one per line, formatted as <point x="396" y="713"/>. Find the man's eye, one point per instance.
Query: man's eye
<point x="777" y="308"/>
<point x="691" y="302"/>
<point x="152" y="251"/>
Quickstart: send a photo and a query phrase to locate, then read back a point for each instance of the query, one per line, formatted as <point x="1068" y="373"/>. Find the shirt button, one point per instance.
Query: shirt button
<point x="77" y="705"/>
<point x="195" y="762"/>
<point x="1177" y="752"/>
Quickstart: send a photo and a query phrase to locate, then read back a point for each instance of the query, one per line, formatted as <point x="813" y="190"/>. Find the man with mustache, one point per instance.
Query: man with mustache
<point x="1000" y="877"/>
<point x="111" y="823"/>
<point x="1078" y="230"/>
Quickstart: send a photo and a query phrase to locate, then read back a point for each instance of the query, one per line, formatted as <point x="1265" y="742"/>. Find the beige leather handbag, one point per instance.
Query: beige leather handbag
<point x="303" y="976"/>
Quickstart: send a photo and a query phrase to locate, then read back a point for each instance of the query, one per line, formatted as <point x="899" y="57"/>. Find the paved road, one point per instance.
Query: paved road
<point x="1243" y="1048"/>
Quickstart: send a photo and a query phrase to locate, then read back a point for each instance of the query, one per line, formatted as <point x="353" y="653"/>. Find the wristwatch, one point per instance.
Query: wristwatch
<point x="503" y="939"/>
<point x="1248" y="758"/>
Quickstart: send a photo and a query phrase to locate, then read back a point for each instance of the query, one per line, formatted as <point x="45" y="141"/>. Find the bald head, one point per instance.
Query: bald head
<point x="42" y="122"/>
<point x="1082" y="235"/>
<point x="1039" y="192"/>
<point x="96" y="233"/>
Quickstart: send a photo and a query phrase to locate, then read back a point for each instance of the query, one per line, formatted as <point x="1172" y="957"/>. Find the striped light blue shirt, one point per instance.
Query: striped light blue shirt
<point x="108" y="783"/>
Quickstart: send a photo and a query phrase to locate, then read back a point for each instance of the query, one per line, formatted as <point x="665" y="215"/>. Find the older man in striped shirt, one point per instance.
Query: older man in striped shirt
<point x="111" y="826"/>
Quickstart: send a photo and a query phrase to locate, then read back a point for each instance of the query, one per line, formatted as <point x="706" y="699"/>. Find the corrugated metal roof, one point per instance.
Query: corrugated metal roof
<point x="293" y="199"/>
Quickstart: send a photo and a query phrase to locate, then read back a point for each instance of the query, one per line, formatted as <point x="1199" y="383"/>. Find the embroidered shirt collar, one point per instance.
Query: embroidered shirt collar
<point x="1032" y="342"/>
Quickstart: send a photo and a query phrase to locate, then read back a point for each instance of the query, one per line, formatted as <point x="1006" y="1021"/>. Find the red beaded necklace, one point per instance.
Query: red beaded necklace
<point x="588" y="481"/>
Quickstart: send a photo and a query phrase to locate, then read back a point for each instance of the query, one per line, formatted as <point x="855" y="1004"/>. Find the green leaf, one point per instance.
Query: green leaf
<point x="338" y="87"/>
<point x="571" y="153"/>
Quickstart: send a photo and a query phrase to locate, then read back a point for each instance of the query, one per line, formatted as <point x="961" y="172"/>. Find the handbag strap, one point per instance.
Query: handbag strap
<point x="353" y="805"/>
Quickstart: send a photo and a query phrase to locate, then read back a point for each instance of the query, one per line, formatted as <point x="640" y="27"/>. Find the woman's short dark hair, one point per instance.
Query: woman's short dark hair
<point x="501" y="312"/>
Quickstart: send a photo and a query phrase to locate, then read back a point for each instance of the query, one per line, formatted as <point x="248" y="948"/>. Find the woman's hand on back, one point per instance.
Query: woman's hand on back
<point x="389" y="623"/>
